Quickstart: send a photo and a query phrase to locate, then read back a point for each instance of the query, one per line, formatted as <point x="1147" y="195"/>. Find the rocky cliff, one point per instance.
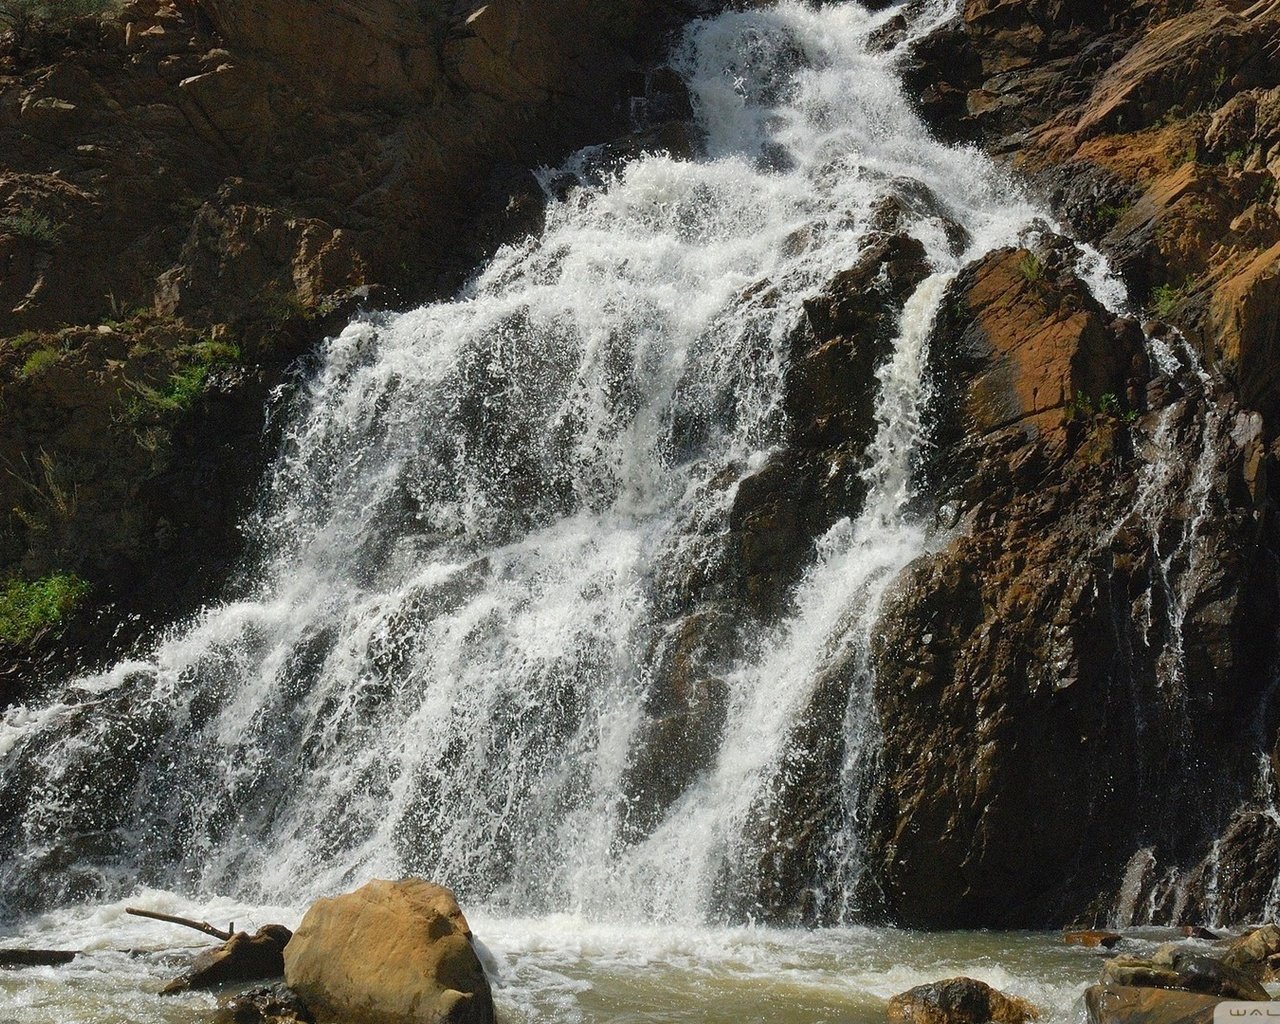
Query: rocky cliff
<point x="1077" y="687"/>
<point x="192" y="194"/>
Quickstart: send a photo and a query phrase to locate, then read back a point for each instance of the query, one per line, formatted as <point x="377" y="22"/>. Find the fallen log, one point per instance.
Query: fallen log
<point x="36" y="957"/>
<point x="186" y="922"/>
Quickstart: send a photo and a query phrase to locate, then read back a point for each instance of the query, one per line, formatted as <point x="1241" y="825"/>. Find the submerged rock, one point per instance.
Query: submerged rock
<point x="243" y="957"/>
<point x="389" y="953"/>
<point x="959" y="1001"/>
<point x="273" y="1004"/>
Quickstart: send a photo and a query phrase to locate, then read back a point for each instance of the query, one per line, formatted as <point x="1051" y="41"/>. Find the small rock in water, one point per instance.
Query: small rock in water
<point x="1194" y="931"/>
<point x="271" y="1004"/>
<point x="959" y="1001"/>
<point x="243" y="957"/>
<point x="1091" y="938"/>
<point x="1252" y="953"/>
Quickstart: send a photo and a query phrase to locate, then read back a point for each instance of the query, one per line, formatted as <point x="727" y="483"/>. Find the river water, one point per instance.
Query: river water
<point x="567" y="969"/>
<point x="442" y="656"/>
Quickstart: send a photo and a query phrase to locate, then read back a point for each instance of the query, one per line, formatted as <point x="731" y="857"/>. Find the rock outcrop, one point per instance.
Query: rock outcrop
<point x="1062" y="686"/>
<point x="389" y="953"/>
<point x="1030" y="737"/>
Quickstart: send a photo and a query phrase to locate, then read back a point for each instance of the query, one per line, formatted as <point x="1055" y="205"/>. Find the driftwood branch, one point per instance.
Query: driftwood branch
<point x="35" y="957"/>
<point x="186" y="922"/>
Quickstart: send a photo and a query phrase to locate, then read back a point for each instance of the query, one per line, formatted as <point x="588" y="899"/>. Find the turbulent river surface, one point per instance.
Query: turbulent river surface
<point x="440" y="657"/>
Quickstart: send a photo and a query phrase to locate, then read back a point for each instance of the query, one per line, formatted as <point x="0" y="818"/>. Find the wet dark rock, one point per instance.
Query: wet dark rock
<point x="36" y="957"/>
<point x="830" y="406"/>
<point x="243" y="957"/>
<point x="274" y="1004"/>
<point x="1234" y="880"/>
<point x="1110" y="1004"/>
<point x="959" y="1001"/>
<point x="1017" y="679"/>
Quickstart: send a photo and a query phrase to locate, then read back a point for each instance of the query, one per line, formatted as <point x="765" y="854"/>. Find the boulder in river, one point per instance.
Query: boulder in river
<point x="243" y="957"/>
<point x="270" y="1004"/>
<point x="959" y="1001"/>
<point x="389" y="953"/>
<point x="1091" y="938"/>
<point x="1254" y="952"/>
<point x="1123" y="1004"/>
<point x="1183" y="969"/>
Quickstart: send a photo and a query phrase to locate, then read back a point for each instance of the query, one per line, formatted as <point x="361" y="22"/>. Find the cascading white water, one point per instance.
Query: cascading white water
<point x="442" y="659"/>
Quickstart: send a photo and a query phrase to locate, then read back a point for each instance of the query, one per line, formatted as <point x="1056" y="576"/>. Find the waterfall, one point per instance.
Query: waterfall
<point x="441" y="657"/>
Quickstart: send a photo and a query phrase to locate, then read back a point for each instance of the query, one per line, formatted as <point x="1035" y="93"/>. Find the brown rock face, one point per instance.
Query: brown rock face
<point x="1038" y="344"/>
<point x="1153" y="128"/>
<point x="178" y="173"/>
<point x="389" y="953"/>
<point x="1031" y="734"/>
<point x="959" y="1001"/>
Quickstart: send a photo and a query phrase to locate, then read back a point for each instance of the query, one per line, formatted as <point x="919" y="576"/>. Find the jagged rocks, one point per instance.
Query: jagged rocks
<point x="830" y="407"/>
<point x="1031" y="734"/>
<point x="959" y="1001"/>
<point x="243" y="957"/>
<point x="389" y="953"/>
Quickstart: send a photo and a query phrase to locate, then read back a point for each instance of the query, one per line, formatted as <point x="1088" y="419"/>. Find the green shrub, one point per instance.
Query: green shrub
<point x="40" y="359"/>
<point x="21" y="16"/>
<point x="186" y="383"/>
<point x="27" y="608"/>
<point x="1110" y="215"/>
<point x="30" y="224"/>
<point x="1032" y="267"/>
<point x="1166" y="299"/>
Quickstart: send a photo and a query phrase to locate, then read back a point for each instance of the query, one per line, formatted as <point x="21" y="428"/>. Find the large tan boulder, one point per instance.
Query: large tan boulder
<point x="389" y="953"/>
